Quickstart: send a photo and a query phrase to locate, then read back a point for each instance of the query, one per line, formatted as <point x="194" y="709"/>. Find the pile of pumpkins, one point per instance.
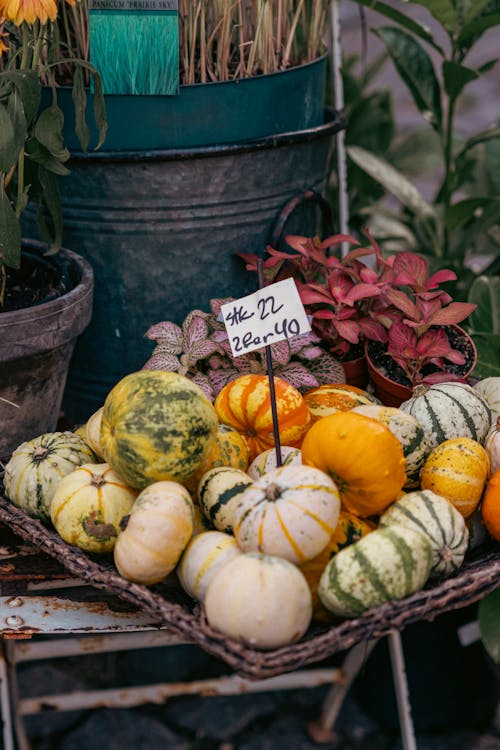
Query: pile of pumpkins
<point x="361" y="505"/>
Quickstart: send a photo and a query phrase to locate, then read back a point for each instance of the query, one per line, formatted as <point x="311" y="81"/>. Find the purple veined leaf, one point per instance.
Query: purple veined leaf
<point x="361" y="291"/>
<point x="439" y="277"/>
<point x="168" y="334"/>
<point x="217" y="302"/>
<point x="455" y="312"/>
<point x="310" y="352"/>
<point x="402" y="341"/>
<point x="349" y="330"/>
<point x="297" y="375"/>
<point x="202" y="350"/>
<point x="427" y="309"/>
<point x="373" y="330"/>
<point x="326" y="369"/>
<point x="280" y="352"/>
<point x="161" y="360"/>
<point x="410" y="269"/>
<point x="204" y="383"/>
<point x="400" y="300"/>
<point x="219" y="378"/>
<point x="194" y="328"/>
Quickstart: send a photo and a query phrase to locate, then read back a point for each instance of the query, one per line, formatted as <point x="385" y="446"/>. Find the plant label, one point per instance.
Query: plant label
<point x="134" y="45"/>
<point x="271" y="314"/>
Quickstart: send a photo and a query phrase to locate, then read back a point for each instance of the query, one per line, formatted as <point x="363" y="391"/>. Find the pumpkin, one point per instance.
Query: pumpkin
<point x="204" y="556"/>
<point x="361" y="455"/>
<point x="457" y="469"/>
<point x="260" y="600"/>
<point x="432" y="515"/>
<point x="266" y="461"/>
<point x="200" y="521"/>
<point x="245" y="404"/>
<point x="349" y="529"/>
<point x="449" y="410"/>
<point x="490" y="507"/>
<point x="93" y="432"/>
<point x="410" y="434"/>
<point x="88" y="505"/>
<point x="329" y="399"/>
<point x="156" y="426"/>
<point x="230" y="448"/>
<point x="492" y="445"/>
<point x="37" y="466"/>
<point x="219" y="492"/>
<point x="387" y="564"/>
<point x="291" y="512"/>
<point x="489" y="389"/>
<point x="153" y="536"/>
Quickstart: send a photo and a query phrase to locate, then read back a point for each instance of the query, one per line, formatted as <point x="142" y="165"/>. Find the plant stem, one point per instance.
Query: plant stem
<point x="449" y="173"/>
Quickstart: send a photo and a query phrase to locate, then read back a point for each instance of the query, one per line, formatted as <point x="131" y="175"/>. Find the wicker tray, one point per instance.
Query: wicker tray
<point x="479" y="575"/>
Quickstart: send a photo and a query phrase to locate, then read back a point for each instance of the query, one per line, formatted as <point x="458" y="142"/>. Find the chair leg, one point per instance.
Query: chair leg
<point x="17" y="725"/>
<point x="6" y="712"/>
<point x="401" y="688"/>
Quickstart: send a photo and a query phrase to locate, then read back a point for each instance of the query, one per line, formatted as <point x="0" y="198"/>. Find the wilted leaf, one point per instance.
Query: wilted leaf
<point x="80" y="101"/>
<point x="8" y="149"/>
<point x="27" y="83"/>
<point x="49" y="132"/>
<point x="10" y="232"/>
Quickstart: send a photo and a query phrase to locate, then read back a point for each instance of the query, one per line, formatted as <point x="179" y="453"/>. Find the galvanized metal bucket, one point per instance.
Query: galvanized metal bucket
<point x="161" y="229"/>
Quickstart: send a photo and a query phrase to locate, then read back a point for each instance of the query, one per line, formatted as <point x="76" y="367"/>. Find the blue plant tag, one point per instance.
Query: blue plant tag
<point x="134" y="45"/>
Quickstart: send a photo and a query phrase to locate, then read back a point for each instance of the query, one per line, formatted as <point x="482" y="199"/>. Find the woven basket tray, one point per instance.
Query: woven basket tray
<point x="479" y="575"/>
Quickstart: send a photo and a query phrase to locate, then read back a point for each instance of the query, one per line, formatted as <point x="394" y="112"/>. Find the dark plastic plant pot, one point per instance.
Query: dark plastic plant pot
<point x="206" y="114"/>
<point x="36" y="344"/>
<point x="392" y="393"/>
<point x="356" y="372"/>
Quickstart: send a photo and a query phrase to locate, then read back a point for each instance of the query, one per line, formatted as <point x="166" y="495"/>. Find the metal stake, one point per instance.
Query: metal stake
<point x="401" y="688"/>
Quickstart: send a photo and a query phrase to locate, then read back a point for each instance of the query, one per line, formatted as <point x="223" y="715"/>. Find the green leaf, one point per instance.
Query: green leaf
<point x="80" y="101"/>
<point x="460" y="213"/>
<point x="470" y="9"/>
<point x="99" y="109"/>
<point x="16" y="111"/>
<point x="52" y="201"/>
<point x="49" y="132"/>
<point x="489" y="624"/>
<point x="485" y="293"/>
<point x="487" y="66"/>
<point x="10" y="231"/>
<point x="8" y="149"/>
<point x="473" y="30"/>
<point x="481" y="137"/>
<point x="443" y="11"/>
<point x="28" y="85"/>
<point x="488" y="355"/>
<point x="456" y="77"/>
<point x="39" y="154"/>
<point x="404" y="21"/>
<point x="415" y="67"/>
<point x="492" y="164"/>
<point x="392" y="180"/>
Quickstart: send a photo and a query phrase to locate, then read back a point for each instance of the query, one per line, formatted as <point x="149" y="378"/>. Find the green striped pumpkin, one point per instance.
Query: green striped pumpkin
<point x="410" y="434"/>
<point x="386" y="564"/>
<point x="492" y="445"/>
<point x="219" y="491"/>
<point x="266" y="461"/>
<point x="437" y="518"/>
<point x="204" y="556"/>
<point x="37" y="466"/>
<point x="449" y="410"/>
<point x="156" y="426"/>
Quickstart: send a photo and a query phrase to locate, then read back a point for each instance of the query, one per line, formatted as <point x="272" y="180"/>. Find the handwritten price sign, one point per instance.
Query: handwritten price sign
<point x="271" y="314"/>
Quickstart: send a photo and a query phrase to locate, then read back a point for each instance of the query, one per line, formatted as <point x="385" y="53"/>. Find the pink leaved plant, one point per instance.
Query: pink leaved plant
<point x="200" y="350"/>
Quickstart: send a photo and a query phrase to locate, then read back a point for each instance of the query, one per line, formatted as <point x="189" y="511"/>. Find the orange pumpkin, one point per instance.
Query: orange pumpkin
<point x="361" y="455"/>
<point x="245" y="404"/>
<point x="230" y="448"/>
<point x="330" y="399"/>
<point x="490" y="507"/>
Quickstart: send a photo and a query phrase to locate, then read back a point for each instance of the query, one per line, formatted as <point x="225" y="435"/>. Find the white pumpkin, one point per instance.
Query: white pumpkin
<point x="219" y="492"/>
<point x="492" y="445"/>
<point x="204" y="556"/>
<point x="291" y="512"/>
<point x="156" y="532"/>
<point x="266" y="461"/>
<point x="489" y="389"/>
<point x="93" y="432"/>
<point x="260" y="600"/>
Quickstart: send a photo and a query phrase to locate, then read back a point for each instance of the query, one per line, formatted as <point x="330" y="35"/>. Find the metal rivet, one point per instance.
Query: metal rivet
<point x="14" y="621"/>
<point x="14" y="601"/>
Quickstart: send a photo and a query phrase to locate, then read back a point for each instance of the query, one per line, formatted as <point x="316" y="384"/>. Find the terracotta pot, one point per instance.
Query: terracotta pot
<point x="356" y="372"/>
<point x="392" y="393"/>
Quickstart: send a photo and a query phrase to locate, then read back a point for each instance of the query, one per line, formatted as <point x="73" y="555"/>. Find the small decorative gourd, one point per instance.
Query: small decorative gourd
<point x="330" y="399"/>
<point x="457" y="469"/>
<point x="230" y="448"/>
<point x="93" y="432"/>
<point x="219" y="492"/>
<point x="432" y="515"/>
<point x="155" y="533"/>
<point x="362" y="456"/>
<point x="36" y="467"/>
<point x="449" y="410"/>
<point x="260" y="600"/>
<point x="489" y="389"/>
<point x="291" y="512"/>
<point x="410" y="434"/>
<point x="266" y="461"/>
<point x="490" y="507"/>
<point x="245" y="404"/>
<point x="492" y="445"/>
<point x="387" y="564"/>
<point x="88" y="506"/>
<point x="156" y="426"/>
<point x="204" y="556"/>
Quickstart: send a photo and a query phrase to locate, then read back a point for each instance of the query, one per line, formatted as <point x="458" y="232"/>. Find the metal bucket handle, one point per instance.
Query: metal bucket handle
<point x="307" y="196"/>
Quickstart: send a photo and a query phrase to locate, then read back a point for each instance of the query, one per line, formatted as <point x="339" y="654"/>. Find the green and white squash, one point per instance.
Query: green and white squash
<point x="387" y="564"/>
<point x="409" y="432"/>
<point x="204" y="556"/>
<point x="266" y="461"/>
<point x="437" y="518"/>
<point x="37" y="466"/>
<point x="489" y="389"/>
<point x="219" y="492"/>
<point x="492" y="445"/>
<point x="449" y="410"/>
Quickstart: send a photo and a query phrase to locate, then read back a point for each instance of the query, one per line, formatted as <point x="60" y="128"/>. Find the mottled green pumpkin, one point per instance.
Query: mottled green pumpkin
<point x="157" y="426"/>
